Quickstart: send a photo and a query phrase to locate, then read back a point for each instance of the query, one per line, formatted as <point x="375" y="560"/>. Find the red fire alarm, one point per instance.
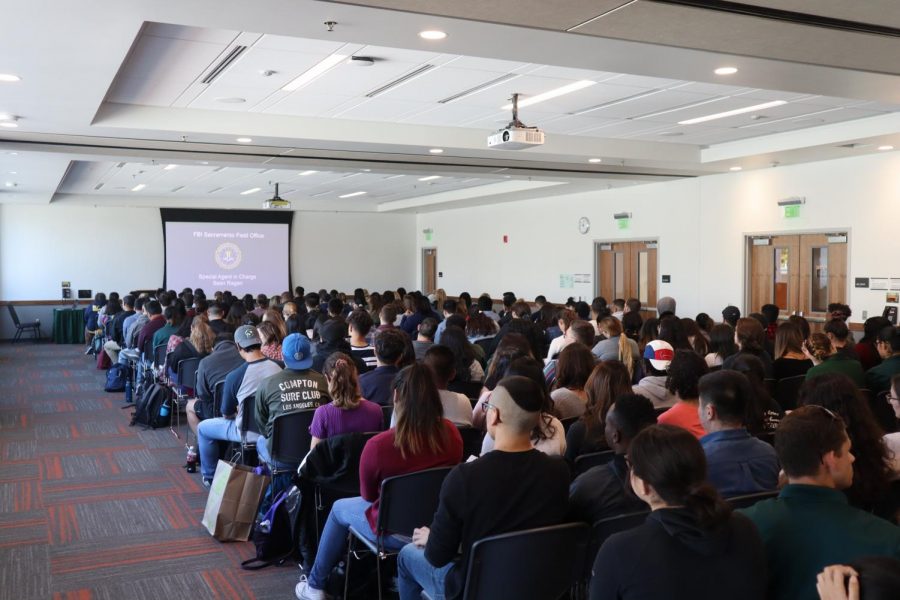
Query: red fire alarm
<point x="505" y="239"/>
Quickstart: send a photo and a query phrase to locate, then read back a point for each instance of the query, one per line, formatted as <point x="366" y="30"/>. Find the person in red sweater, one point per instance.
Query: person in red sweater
<point x="421" y="439"/>
<point x="684" y="374"/>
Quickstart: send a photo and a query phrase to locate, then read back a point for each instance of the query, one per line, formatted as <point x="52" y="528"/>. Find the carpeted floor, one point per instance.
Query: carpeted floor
<point x="91" y="508"/>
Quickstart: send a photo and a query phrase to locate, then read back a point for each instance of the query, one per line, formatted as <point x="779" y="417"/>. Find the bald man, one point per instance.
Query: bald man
<point x="512" y="488"/>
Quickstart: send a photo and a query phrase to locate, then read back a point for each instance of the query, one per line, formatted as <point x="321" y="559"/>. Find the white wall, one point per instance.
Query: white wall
<point x="700" y="224"/>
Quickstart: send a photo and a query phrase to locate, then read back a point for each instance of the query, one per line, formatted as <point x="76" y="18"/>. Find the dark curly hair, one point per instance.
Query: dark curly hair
<point x="872" y="470"/>
<point x="685" y="372"/>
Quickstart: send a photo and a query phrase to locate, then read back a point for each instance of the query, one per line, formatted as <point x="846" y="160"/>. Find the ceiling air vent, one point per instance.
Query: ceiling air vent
<point x="478" y="88"/>
<point x="223" y="64"/>
<point x="401" y="80"/>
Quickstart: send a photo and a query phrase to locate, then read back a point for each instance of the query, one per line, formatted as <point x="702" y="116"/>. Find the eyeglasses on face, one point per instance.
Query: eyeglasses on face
<point x="485" y="406"/>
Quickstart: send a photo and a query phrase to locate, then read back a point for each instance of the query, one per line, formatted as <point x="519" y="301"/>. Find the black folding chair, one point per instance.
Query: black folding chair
<point x="770" y="385"/>
<point x="185" y="378"/>
<point x="787" y="391"/>
<point x="748" y="500"/>
<point x="534" y="563"/>
<point x="387" y="412"/>
<point x="881" y="409"/>
<point x="248" y="424"/>
<point x="594" y="459"/>
<point x="470" y="389"/>
<point x="218" y="393"/>
<point x="472" y="439"/>
<point x="406" y="502"/>
<point x="159" y="359"/>
<point x="600" y="531"/>
<point x="568" y="422"/>
<point x="21" y="328"/>
<point x="291" y="439"/>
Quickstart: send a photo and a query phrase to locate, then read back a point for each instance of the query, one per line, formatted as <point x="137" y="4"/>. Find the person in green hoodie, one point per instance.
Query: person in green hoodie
<point x="878" y="378"/>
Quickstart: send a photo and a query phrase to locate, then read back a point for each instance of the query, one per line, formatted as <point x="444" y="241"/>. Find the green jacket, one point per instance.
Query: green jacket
<point x="878" y="378"/>
<point x="807" y="528"/>
<point x="288" y="391"/>
<point x="838" y="363"/>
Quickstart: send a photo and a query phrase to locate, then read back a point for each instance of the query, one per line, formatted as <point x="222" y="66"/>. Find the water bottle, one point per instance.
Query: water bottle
<point x="191" y="460"/>
<point x="129" y="398"/>
<point x="164" y="409"/>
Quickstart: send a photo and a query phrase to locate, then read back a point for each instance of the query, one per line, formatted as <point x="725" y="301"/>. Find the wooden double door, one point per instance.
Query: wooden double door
<point x="801" y="274"/>
<point x="627" y="270"/>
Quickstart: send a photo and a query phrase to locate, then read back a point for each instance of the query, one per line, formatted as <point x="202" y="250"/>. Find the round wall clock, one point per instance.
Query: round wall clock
<point x="584" y="225"/>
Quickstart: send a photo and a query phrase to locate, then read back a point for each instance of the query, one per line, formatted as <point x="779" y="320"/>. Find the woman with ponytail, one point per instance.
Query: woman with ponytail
<point x="348" y="411"/>
<point x="617" y="346"/>
<point x="692" y="546"/>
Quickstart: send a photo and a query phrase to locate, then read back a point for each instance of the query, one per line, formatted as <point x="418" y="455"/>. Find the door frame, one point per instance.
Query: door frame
<point x="425" y="267"/>
<point x="596" y="247"/>
<point x="821" y="231"/>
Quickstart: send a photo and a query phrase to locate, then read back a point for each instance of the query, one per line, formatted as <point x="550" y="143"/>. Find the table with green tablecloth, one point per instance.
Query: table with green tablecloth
<point x="68" y="326"/>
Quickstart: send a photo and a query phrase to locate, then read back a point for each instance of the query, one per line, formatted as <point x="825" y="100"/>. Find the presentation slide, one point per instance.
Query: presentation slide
<point x="241" y="257"/>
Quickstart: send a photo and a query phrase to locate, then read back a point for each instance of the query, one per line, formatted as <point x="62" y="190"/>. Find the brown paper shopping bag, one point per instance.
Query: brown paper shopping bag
<point x="234" y="498"/>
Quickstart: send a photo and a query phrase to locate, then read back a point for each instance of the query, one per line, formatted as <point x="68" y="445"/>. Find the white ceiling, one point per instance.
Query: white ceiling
<point x="121" y="83"/>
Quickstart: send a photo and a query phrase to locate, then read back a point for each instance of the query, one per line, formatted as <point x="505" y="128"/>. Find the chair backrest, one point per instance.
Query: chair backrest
<point x="386" y="413"/>
<point x="604" y="528"/>
<point x="472" y="439"/>
<point x="291" y="438"/>
<point x="594" y="459"/>
<point x="13" y="314"/>
<point x="409" y="501"/>
<point x="568" y="422"/>
<point x="470" y="389"/>
<point x="749" y="500"/>
<point x="159" y="355"/>
<point x="248" y="415"/>
<point x="218" y="392"/>
<point x="187" y="372"/>
<point x="881" y="408"/>
<point x="658" y="410"/>
<point x="534" y="563"/>
<point x="770" y="385"/>
<point x="787" y="391"/>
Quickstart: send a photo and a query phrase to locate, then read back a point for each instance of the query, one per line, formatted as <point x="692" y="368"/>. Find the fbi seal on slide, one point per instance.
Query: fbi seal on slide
<point x="228" y="255"/>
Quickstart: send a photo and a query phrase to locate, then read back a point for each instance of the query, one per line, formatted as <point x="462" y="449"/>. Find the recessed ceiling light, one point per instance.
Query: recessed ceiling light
<point x="555" y="93"/>
<point x="436" y="150"/>
<point x="352" y="195"/>
<point x="305" y="173"/>
<point x="735" y="168"/>
<point x="9" y="78"/>
<point x="12" y="172"/>
<point x="367" y="170"/>
<point x="9" y="124"/>
<point x="250" y="191"/>
<point x="595" y="160"/>
<point x="170" y="167"/>
<point x="432" y="34"/>
<point x="231" y="100"/>
<point x="726" y="71"/>
<point x="314" y="72"/>
<point x="429" y="178"/>
<point x="885" y="147"/>
<point x="244" y="140"/>
<point x="7" y="117"/>
<point x="731" y="113"/>
<point x="138" y="187"/>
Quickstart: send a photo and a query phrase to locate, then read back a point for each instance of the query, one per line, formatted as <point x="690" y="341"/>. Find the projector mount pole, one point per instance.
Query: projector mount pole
<point x="515" y="112"/>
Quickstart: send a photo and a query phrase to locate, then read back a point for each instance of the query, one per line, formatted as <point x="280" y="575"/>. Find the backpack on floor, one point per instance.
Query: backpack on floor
<point x="273" y="533"/>
<point x="153" y="408"/>
<point x="115" y="378"/>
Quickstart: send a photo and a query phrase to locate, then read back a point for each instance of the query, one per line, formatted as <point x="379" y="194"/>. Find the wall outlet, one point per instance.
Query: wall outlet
<point x="865" y="315"/>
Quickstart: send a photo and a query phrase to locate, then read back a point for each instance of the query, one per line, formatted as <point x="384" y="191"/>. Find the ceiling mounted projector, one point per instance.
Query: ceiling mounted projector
<point x="276" y="202"/>
<point x="516" y="135"/>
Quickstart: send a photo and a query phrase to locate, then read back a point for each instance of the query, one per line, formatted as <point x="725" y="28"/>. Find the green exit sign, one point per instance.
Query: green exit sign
<point x="623" y="223"/>
<point x="792" y="212"/>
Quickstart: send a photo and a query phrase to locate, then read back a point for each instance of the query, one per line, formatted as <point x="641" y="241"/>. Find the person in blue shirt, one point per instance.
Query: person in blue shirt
<point x="390" y="345"/>
<point x="738" y="463"/>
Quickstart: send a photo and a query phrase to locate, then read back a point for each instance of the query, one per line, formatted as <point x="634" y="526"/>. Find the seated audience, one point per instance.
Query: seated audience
<point x="513" y="488"/>
<point x="174" y="315"/>
<point x="737" y="463"/>
<point x="292" y="322"/>
<point x="579" y="331"/>
<point x="810" y="525"/>
<point x="272" y="338"/>
<point x="416" y="310"/>
<point x="575" y="365"/>
<point x="685" y="372"/>
<point x="771" y="312"/>
<point x="334" y="312"/>
<point x="239" y="384"/>
<point x="217" y="319"/>
<point x="878" y="378"/>
<point x="721" y="344"/>
<point x="730" y="315"/>
<point x="616" y="346"/>
<point x="603" y="491"/>
<point x="564" y="320"/>
<point x="692" y="546"/>
<point x="790" y="361"/>
<point x="511" y="347"/>
<point x="375" y="385"/>
<point x="892" y="438"/>
<point x="296" y="387"/>
<point x="348" y="412"/>
<point x="359" y="324"/>
<point x="198" y="345"/>
<point x="695" y="336"/>
<point x="867" y="347"/>
<point x="457" y="407"/>
<point x="826" y="361"/>
<point x="868" y="578"/>
<point x="424" y="337"/>
<point x="421" y="439"/>
<point x="155" y="322"/>
<point x="763" y="412"/>
<point x="839" y="335"/>
<point x="262" y="305"/>
<point x="870" y="490"/>
<point x="750" y="338"/>
<point x="608" y="381"/>
<point x="665" y="306"/>
<point x="467" y="368"/>
<point x="520" y="322"/>
<point x="223" y="359"/>
<point x="671" y="330"/>
<point x="658" y="356"/>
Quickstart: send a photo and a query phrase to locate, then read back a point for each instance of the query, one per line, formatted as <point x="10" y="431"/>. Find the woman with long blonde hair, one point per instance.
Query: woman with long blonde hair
<point x="616" y="346"/>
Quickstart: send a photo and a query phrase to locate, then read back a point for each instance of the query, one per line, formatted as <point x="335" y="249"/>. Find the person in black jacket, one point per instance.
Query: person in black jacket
<point x="513" y="487"/>
<point x="692" y="546"/>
